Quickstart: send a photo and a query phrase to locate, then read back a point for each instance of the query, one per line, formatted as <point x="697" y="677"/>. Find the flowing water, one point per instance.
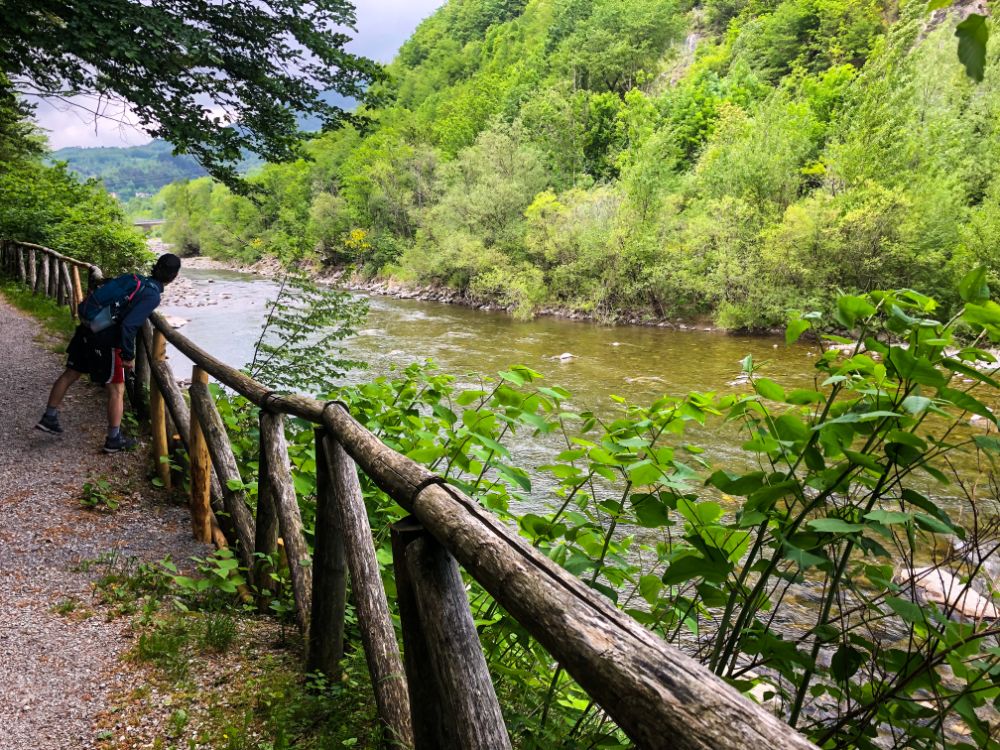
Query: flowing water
<point x="225" y="311"/>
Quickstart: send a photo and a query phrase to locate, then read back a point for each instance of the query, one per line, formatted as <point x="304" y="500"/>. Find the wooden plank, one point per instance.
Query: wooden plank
<point x="468" y="701"/>
<point x="329" y="594"/>
<point x="205" y="413"/>
<point x="426" y="706"/>
<point x="377" y="633"/>
<point x="286" y="505"/>
<point x="201" y="473"/>
<point x="158" y="415"/>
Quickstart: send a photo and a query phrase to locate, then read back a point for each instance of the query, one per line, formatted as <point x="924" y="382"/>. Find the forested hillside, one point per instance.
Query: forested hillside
<point x="126" y="171"/>
<point x="131" y="171"/>
<point x="734" y="159"/>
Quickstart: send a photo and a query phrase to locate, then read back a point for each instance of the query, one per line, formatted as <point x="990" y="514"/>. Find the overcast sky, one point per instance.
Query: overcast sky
<point x="383" y="25"/>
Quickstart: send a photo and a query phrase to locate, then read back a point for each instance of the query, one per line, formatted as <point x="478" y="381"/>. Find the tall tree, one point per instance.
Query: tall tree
<point x="212" y="77"/>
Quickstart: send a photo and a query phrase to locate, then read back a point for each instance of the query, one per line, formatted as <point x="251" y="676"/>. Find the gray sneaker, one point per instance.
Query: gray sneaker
<point x="121" y="443"/>
<point x="49" y="424"/>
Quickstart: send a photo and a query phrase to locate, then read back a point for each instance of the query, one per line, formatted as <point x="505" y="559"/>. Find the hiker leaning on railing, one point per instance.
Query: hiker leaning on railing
<point x="103" y="345"/>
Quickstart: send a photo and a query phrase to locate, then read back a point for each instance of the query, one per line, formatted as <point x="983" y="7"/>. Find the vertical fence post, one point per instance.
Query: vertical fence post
<point x="429" y="727"/>
<point x="377" y="632"/>
<point x="22" y="271"/>
<point x="57" y="270"/>
<point x="234" y="500"/>
<point x="52" y="276"/>
<point x="77" y="291"/>
<point x="32" y="267"/>
<point x="286" y="505"/>
<point x="42" y="287"/>
<point x="467" y="697"/>
<point x="140" y="397"/>
<point x="326" y="633"/>
<point x="266" y="530"/>
<point x="201" y="473"/>
<point x="157" y="413"/>
<point x="66" y="297"/>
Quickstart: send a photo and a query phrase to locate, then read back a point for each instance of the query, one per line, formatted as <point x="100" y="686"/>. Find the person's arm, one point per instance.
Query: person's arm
<point x="140" y="309"/>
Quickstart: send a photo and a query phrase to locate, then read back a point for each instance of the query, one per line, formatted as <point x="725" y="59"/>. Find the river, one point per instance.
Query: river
<point x="225" y="311"/>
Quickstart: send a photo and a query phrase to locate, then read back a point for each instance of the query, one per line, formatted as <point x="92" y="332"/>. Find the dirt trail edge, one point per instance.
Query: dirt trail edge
<point x="57" y="670"/>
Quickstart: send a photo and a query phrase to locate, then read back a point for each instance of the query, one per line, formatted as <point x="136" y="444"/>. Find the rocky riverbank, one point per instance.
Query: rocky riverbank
<point x="272" y="268"/>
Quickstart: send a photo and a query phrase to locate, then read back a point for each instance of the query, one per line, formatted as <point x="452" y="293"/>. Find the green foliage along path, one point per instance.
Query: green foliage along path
<point x="729" y="159"/>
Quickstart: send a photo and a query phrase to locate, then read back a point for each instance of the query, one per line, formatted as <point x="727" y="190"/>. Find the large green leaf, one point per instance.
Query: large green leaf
<point x="973" y="33"/>
<point x="835" y="526"/>
<point x="973" y="288"/>
<point x="851" y="308"/>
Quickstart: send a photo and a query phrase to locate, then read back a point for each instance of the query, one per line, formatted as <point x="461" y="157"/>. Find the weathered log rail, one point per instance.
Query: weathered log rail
<point x="442" y="696"/>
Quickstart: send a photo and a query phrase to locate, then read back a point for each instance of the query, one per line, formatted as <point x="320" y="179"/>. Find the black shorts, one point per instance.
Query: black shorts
<point x="96" y="354"/>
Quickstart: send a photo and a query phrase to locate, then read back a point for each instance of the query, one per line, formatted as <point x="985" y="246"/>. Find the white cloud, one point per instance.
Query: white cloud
<point x="383" y="25"/>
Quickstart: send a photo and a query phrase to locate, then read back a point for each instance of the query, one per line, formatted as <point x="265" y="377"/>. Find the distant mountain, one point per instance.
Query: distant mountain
<point x="133" y="170"/>
<point x="142" y="170"/>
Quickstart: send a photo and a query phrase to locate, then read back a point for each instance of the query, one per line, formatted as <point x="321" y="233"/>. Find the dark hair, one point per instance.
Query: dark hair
<point x="166" y="268"/>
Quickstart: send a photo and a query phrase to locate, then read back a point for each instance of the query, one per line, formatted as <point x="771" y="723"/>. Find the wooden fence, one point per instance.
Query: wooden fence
<point x="439" y="693"/>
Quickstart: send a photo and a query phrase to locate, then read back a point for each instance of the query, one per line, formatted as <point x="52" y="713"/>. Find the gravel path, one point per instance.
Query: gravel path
<point x="56" y="672"/>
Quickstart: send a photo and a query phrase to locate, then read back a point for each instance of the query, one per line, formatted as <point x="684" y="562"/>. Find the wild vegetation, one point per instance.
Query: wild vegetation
<point x="725" y="159"/>
<point x="48" y="205"/>
<point x="797" y="571"/>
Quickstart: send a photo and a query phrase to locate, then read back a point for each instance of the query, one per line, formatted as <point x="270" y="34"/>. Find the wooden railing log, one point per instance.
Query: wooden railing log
<point x="140" y="394"/>
<point x="22" y="270"/>
<point x="201" y="472"/>
<point x="468" y="700"/>
<point x="77" y="291"/>
<point x="59" y="256"/>
<point x="659" y="696"/>
<point x="181" y="415"/>
<point x="286" y="506"/>
<point x="32" y="267"/>
<point x="226" y="469"/>
<point x="266" y="528"/>
<point x="378" y="635"/>
<point x="66" y="295"/>
<point x="430" y="731"/>
<point x="329" y="595"/>
<point x="396" y="474"/>
<point x="42" y="287"/>
<point x="158" y="414"/>
<point x="651" y="689"/>
<point x="52" y="274"/>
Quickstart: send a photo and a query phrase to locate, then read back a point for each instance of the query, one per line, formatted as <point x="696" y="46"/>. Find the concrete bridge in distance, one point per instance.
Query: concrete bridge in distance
<point x="146" y="225"/>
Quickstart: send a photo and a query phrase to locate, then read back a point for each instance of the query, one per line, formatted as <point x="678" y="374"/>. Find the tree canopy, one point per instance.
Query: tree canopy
<point x="213" y="78"/>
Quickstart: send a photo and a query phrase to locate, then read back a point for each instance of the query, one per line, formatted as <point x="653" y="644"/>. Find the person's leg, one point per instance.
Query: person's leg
<point x="60" y="387"/>
<point x="50" y="419"/>
<point x="116" y="440"/>
<point x="116" y="405"/>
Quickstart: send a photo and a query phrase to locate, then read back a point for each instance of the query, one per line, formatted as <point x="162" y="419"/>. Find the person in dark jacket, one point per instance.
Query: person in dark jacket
<point x="106" y="354"/>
